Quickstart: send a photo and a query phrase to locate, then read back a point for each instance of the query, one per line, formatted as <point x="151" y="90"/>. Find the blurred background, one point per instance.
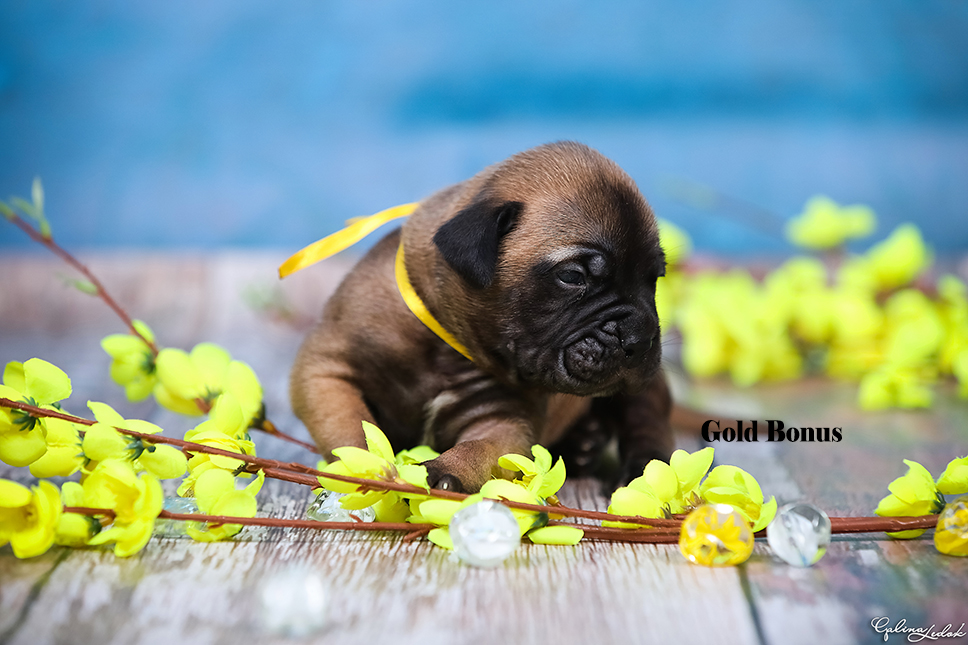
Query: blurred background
<point x="241" y="123"/>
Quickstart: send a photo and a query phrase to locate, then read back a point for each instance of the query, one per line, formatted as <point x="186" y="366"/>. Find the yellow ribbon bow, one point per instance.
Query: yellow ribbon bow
<point x="342" y="239"/>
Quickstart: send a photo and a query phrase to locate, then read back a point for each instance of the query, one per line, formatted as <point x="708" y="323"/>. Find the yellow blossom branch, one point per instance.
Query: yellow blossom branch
<point x="302" y="474"/>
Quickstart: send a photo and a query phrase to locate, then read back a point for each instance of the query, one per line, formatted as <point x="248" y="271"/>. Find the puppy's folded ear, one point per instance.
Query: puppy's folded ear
<point x="469" y="241"/>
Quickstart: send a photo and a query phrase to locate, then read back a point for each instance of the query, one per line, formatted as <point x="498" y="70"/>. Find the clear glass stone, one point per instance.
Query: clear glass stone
<point x="295" y="603"/>
<point x="176" y="528"/>
<point x="484" y="534"/>
<point x="326" y="508"/>
<point x="799" y="534"/>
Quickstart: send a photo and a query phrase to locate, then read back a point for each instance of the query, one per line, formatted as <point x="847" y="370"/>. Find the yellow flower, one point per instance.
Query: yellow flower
<point x="136" y="502"/>
<point x="896" y="386"/>
<point x="225" y="429"/>
<point x="663" y="489"/>
<point x="951" y="534"/>
<point x="64" y="456"/>
<point x="203" y="375"/>
<point x="900" y="258"/>
<point x="674" y="241"/>
<point x="75" y="529"/>
<point x="954" y="479"/>
<point x="737" y="488"/>
<point x="913" y="494"/>
<point x="103" y="441"/>
<point x="132" y="361"/>
<point x="538" y="476"/>
<point x="216" y="494"/>
<point x="953" y="310"/>
<point x="378" y="463"/>
<point x="28" y="518"/>
<point x="824" y="224"/>
<point x="23" y="438"/>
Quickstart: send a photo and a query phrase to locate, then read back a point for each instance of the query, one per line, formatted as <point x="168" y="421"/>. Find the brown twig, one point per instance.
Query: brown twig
<point x="101" y="292"/>
<point x="270" y="428"/>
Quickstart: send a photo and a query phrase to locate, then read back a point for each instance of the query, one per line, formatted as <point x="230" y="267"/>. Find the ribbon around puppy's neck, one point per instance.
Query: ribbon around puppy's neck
<point x="356" y="231"/>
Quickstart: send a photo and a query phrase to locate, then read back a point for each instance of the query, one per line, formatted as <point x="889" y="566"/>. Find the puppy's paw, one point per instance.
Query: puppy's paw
<point x="464" y="468"/>
<point x="439" y="478"/>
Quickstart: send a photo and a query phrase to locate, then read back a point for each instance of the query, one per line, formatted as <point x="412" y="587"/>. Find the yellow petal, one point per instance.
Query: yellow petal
<point x="102" y="442"/>
<point x="13" y="495"/>
<point x="211" y="486"/>
<point x="212" y="363"/>
<point x="542" y="458"/>
<point x="662" y="479"/>
<point x="691" y="468"/>
<point x="22" y="448"/>
<point x="377" y="442"/>
<point x="46" y="383"/>
<point x="178" y="374"/>
<point x="244" y="385"/>
<point x="517" y="462"/>
<point x="13" y="376"/>
<point x="441" y="537"/>
<point x="553" y="480"/>
<point x="360" y="462"/>
<point x="563" y="535"/>
<point x="414" y="474"/>
<point x="165" y="462"/>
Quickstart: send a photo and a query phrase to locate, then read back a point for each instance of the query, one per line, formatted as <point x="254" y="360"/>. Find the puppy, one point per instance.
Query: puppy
<point x="543" y="270"/>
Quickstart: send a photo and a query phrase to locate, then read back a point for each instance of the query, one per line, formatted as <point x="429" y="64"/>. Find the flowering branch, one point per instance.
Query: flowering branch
<point x="665" y="529"/>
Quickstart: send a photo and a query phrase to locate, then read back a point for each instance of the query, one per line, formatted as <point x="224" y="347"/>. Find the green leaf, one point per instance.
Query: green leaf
<point x="37" y="193"/>
<point x="84" y="286"/>
<point x="7" y="211"/>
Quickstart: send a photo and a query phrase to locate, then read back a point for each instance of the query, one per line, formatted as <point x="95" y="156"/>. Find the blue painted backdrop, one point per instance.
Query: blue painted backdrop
<point x="233" y="122"/>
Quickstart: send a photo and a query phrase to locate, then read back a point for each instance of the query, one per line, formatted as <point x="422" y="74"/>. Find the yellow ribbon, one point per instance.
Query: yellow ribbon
<point x="418" y="307"/>
<point x="356" y="231"/>
<point x="342" y="239"/>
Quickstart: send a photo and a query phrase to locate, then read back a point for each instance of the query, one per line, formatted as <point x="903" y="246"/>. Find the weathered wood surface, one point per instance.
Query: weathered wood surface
<point x="386" y="590"/>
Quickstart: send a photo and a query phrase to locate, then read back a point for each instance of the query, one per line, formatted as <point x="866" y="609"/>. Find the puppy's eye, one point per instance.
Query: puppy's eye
<point x="572" y="277"/>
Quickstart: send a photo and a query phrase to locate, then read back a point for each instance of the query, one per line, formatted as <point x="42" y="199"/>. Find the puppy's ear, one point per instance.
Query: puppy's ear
<point x="469" y="241"/>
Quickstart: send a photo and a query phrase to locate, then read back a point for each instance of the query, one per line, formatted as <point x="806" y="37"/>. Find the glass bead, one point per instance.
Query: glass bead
<point x="799" y="534"/>
<point x="294" y="603"/>
<point x="716" y="535"/>
<point x="951" y="535"/>
<point x="484" y="534"/>
<point x="176" y="528"/>
<point x="326" y="508"/>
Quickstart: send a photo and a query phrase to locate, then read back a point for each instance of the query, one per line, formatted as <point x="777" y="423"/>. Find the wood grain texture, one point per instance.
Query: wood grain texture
<point x="385" y="590"/>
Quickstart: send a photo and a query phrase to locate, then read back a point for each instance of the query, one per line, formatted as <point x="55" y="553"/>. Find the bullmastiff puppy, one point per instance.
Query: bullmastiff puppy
<point x="543" y="270"/>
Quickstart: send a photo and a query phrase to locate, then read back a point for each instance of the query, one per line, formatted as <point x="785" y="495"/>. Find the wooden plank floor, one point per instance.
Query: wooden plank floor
<point x="384" y="590"/>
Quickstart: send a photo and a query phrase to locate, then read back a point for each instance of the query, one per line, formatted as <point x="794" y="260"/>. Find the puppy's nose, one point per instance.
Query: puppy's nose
<point x="635" y="347"/>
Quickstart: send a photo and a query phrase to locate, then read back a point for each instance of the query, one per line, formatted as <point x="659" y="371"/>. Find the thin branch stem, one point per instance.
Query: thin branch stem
<point x="102" y="293"/>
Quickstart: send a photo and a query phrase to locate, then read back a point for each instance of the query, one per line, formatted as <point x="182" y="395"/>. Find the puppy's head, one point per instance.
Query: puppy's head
<point x="558" y="254"/>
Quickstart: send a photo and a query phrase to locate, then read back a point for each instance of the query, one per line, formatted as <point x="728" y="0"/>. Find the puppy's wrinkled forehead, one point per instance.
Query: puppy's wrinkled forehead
<point x="574" y="199"/>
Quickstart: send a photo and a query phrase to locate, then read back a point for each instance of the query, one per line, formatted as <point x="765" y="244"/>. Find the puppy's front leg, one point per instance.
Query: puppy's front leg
<point x="644" y="432"/>
<point x="331" y="409"/>
<point x="473" y="459"/>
